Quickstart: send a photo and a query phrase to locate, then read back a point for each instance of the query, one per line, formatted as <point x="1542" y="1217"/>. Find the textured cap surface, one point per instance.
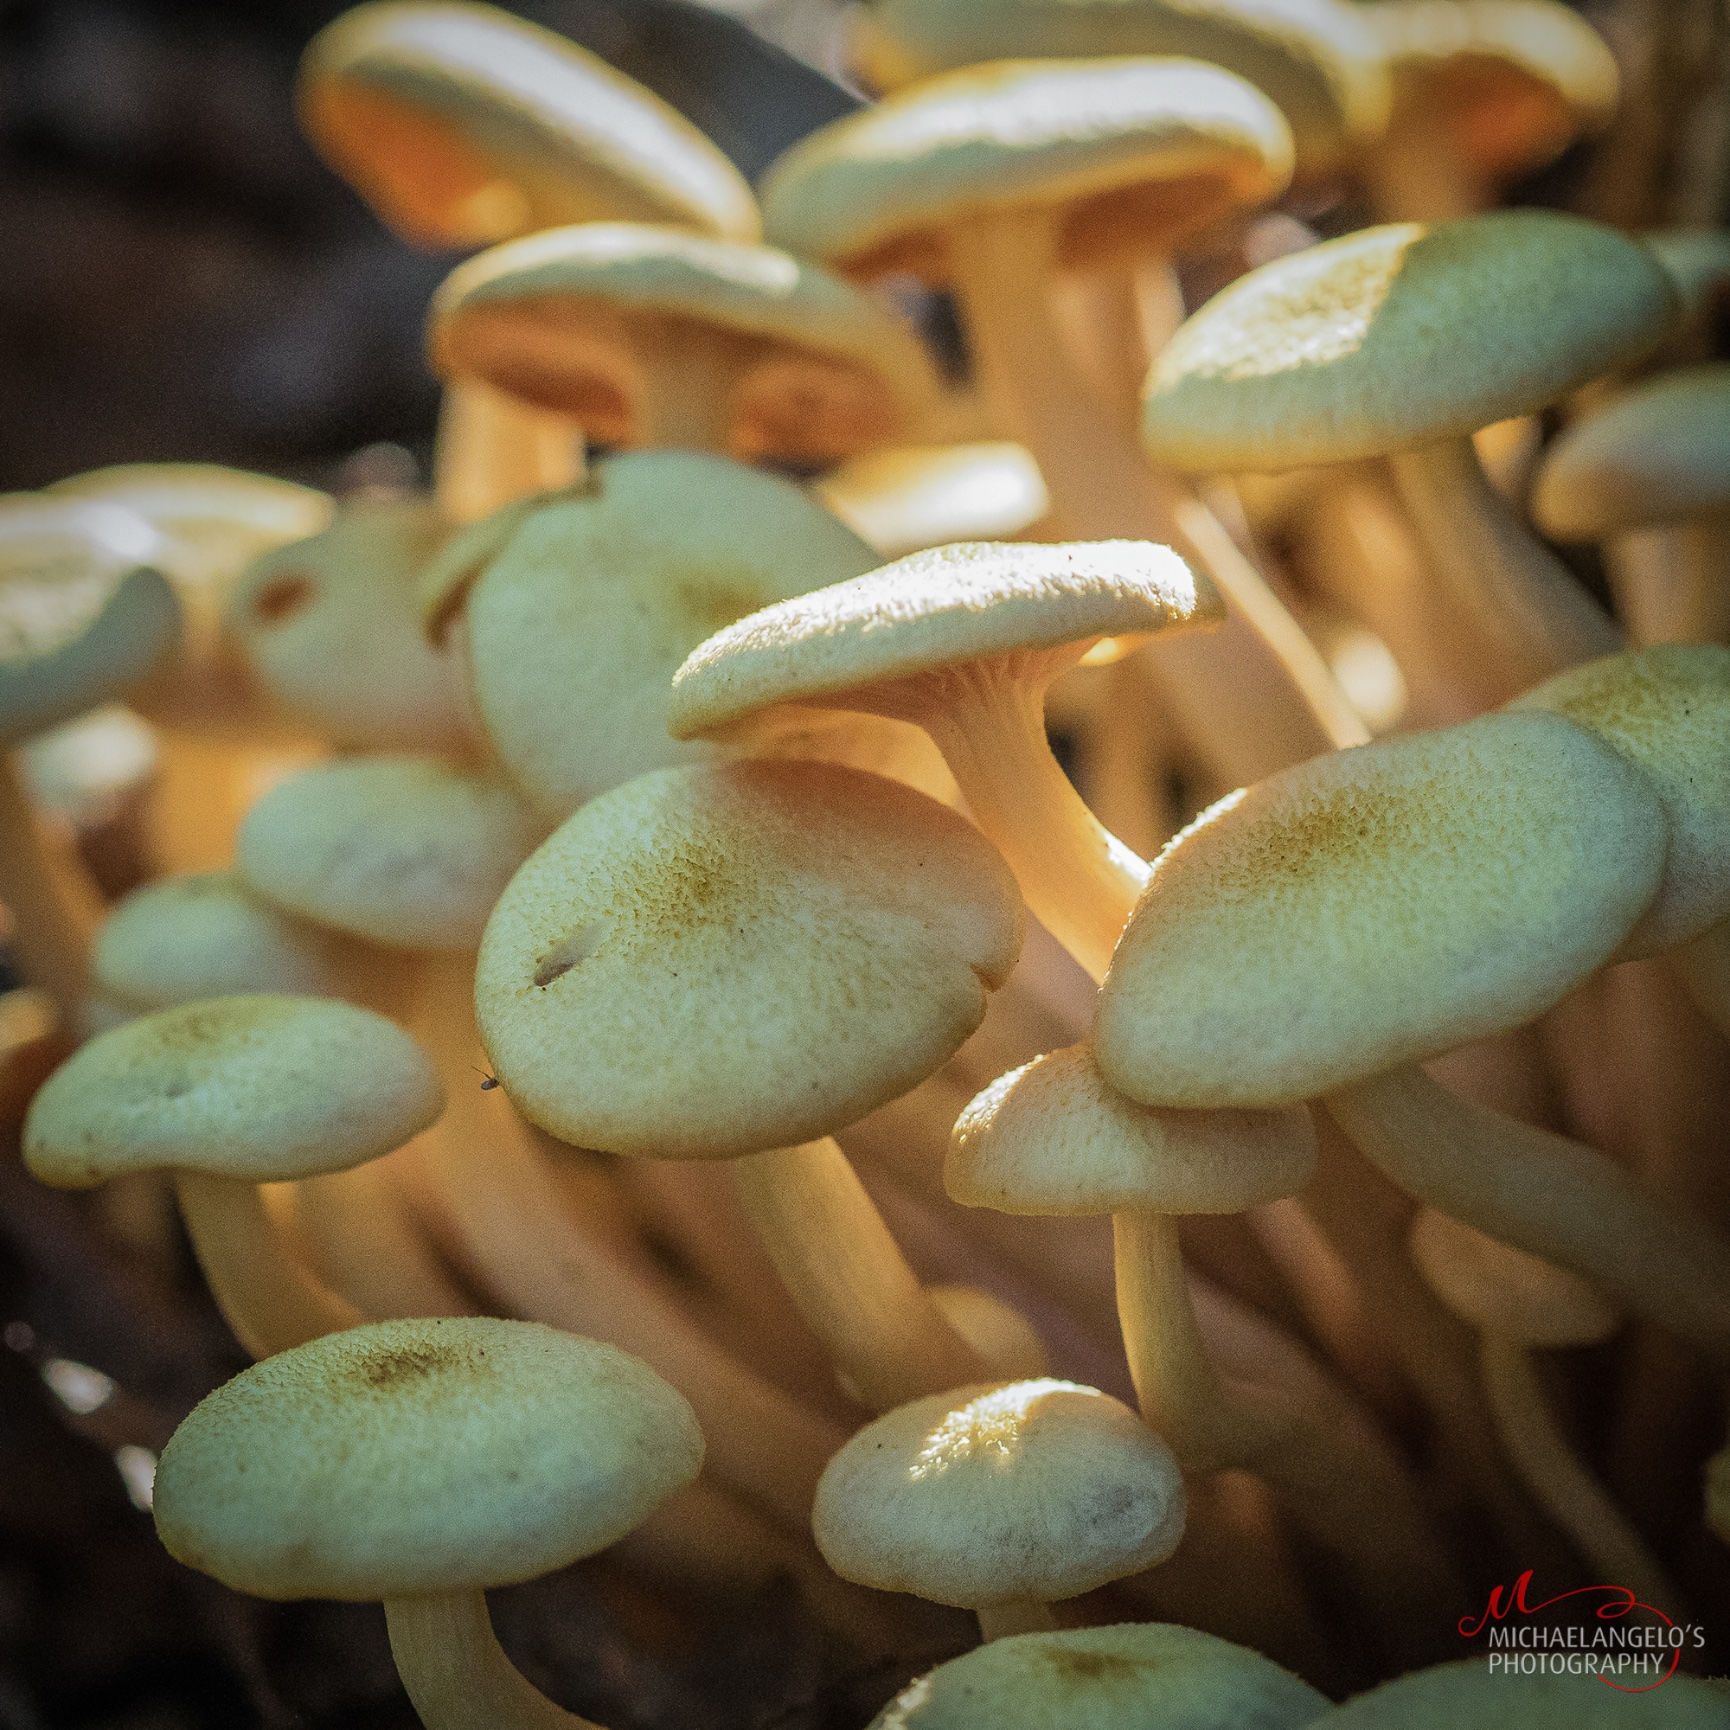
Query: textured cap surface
<point x="987" y="1495"/>
<point x="720" y="960"/>
<point x="1394" y="336"/>
<point x="1053" y="1138"/>
<point x="261" y="1088"/>
<point x="421" y="1456"/>
<point x="402" y="850"/>
<point x="862" y="640"/>
<point x="1375" y="907"/>
<point x="462" y="124"/>
<point x="1138" y="151"/>
<point x="1129" y="1677"/>
<point x="1470" y="1696"/>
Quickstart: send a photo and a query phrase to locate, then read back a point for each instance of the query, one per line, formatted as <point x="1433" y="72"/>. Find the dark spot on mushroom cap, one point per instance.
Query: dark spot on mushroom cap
<point x="406" y="1364"/>
<point x="283" y="597"/>
<point x="1079" y="1666"/>
<point x="571" y="950"/>
<point x="711" y="604"/>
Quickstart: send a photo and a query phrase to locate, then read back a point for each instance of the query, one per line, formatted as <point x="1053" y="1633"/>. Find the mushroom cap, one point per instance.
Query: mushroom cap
<point x="1128" y="1677"/>
<point x="1667" y="710"/>
<point x="1052" y="1137"/>
<point x="1659" y="453"/>
<point x="875" y="642"/>
<point x="571" y="319"/>
<point x="262" y="1088"/>
<point x="406" y="851"/>
<point x="1140" y="153"/>
<point x="462" y="125"/>
<point x="718" y="960"/>
<point x="606" y="589"/>
<point x="1315" y="59"/>
<point x="910" y="497"/>
<point x="1375" y="907"/>
<point x="1513" y="82"/>
<point x="1470" y="1696"/>
<point x="1500" y="1289"/>
<point x="330" y="628"/>
<point x="1698" y="260"/>
<point x="1399" y="335"/>
<point x="987" y="1495"/>
<point x="84" y="612"/>
<point x="421" y="1456"/>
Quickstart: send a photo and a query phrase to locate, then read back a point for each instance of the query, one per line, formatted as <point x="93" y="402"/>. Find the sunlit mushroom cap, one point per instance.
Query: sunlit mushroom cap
<point x="1496" y="1287"/>
<point x="262" y="1088"/>
<point x="718" y="960"/>
<point x="1399" y="335"/>
<point x="1129" y="1677"/>
<point x="1697" y="259"/>
<point x="908" y="498"/>
<point x="1472" y="1696"/>
<point x="1377" y="906"/>
<point x="330" y="627"/>
<point x="1667" y="710"/>
<point x="462" y="125"/>
<point x="571" y="319"/>
<point x="1512" y="82"/>
<point x="1053" y="1138"/>
<point x="989" y="1495"/>
<point x="1659" y="453"/>
<point x="421" y="1456"/>
<point x="1315" y="59"/>
<point x="84" y="612"/>
<point x="874" y="642"/>
<point x="1139" y="152"/>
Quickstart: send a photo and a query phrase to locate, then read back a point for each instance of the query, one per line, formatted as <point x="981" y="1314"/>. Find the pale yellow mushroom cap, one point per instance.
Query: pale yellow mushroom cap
<point x="1659" y="453"/>
<point x="1135" y="1676"/>
<point x="718" y="960"/>
<point x="908" y="498"/>
<point x="1395" y="336"/>
<point x="84" y="612"/>
<point x="1472" y="1696"/>
<point x="1667" y="710"/>
<point x="1138" y="153"/>
<point x="1496" y="1287"/>
<point x="883" y="641"/>
<point x="330" y="627"/>
<point x="406" y="851"/>
<point x="260" y="1088"/>
<point x="1512" y="82"/>
<point x="574" y="318"/>
<point x="579" y="619"/>
<point x="1376" y="907"/>
<point x="421" y="1456"/>
<point x="1052" y="1137"/>
<point x="989" y="1495"/>
<point x="462" y="125"/>
<point x="1316" y="59"/>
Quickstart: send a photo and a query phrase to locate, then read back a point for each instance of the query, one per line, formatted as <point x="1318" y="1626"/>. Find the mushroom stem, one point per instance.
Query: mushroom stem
<point x="688" y="388"/>
<point x="457" y="1674"/>
<point x="1548" y="1195"/>
<point x="53" y="913"/>
<point x="889" y="1342"/>
<point x="268" y="1299"/>
<point x="492" y="450"/>
<point x="1568" y="1493"/>
<point x="1019" y="1616"/>
<point x="1525" y="600"/>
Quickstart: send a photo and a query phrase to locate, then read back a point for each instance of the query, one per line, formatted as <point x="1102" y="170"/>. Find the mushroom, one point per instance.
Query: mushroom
<point x="1000" y="1499"/>
<point x="908" y="498"/>
<point x="1472" y="1696"/>
<point x="422" y="1463"/>
<point x="229" y="1093"/>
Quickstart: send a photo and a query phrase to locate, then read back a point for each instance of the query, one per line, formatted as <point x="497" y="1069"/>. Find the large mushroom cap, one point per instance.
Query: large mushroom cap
<point x="570" y="319"/>
<point x="421" y="1456"/>
<point x="1139" y="153"/>
<point x="719" y="960"/>
<point x="1316" y="59"/>
<point x="1377" y="906"/>
<point x="262" y="1088"/>
<point x="1472" y="1696"/>
<point x="406" y="851"/>
<point x="1128" y="1677"/>
<point x="1659" y="453"/>
<point x="463" y="125"/>
<point x="990" y="1495"/>
<point x="1399" y="335"/>
<point x="1052" y="1137"/>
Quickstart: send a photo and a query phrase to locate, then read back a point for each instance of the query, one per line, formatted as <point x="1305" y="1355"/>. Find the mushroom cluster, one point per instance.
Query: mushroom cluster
<point x="644" y="1030"/>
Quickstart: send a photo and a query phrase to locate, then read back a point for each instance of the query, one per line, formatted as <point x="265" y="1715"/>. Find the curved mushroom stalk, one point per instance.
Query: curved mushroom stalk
<point x="54" y="910"/>
<point x="493" y="450"/>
